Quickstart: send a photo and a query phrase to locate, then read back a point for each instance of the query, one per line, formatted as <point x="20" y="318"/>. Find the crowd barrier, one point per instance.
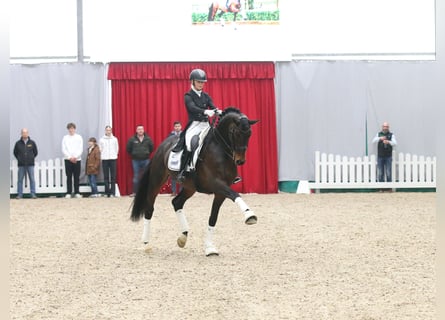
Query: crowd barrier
<point x="50" y="179"/>
<point x="341" y="172"/>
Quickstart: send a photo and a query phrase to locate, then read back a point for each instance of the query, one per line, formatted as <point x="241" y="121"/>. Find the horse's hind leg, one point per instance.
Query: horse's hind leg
<point x="146" y="234"/>
<point x="154" y="188"/>
<point x="147" y="220"/>
<point x="182" y="239"/>
<point x="178" y="205"/>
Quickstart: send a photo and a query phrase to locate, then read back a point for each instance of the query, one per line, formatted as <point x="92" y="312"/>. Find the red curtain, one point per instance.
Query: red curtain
<point x="152" y="94"/>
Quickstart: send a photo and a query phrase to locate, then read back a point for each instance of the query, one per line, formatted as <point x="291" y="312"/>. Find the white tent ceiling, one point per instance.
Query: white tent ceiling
<point x="135" y="30"/>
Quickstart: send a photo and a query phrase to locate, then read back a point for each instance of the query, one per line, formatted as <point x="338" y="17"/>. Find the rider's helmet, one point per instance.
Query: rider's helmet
<point x="199" y="75"/>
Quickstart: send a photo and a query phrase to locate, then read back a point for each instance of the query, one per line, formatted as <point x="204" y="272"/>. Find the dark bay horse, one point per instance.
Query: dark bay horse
<point x="224" y="6"/>
<point x="224" y="148"/>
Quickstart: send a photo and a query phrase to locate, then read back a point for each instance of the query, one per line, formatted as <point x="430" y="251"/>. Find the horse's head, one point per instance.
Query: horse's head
<point x="235" y="130"/>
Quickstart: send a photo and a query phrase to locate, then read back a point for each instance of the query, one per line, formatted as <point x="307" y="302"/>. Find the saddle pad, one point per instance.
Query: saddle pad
<point x="174" y="160"/>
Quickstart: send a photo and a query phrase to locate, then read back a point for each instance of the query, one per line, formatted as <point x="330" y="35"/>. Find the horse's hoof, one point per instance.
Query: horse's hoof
<point x="182" y="239"/>
<point x="212" y="254"/>
<point x="251" y="220"/>
<point x="211" y="251"/>
<point x="250" y="217"/>
<point x="148" y="248"/>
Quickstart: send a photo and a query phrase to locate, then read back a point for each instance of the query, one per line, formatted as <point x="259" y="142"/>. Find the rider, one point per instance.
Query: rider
<point x="199" y="108"/>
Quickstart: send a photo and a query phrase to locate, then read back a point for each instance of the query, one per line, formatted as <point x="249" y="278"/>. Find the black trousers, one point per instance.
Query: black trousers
<point x="72" y="171"/>
<point x="109" y="170"/>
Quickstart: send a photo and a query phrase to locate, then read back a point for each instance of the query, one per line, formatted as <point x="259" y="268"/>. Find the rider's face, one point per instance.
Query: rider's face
<point x="198" y="85"/>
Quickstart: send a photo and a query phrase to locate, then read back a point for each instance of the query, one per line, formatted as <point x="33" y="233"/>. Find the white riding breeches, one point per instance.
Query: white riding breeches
<point x="195" y="128"/>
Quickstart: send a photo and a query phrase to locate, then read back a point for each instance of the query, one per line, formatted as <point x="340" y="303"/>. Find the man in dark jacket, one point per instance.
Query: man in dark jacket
<point x="386" y="141"/>
<point x="25" y="151"/>
<point x="177" y="130"/>
<point x="139" y="148"/>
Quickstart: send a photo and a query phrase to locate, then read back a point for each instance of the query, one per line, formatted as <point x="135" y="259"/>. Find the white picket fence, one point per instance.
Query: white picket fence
<point x="50" y="178"/>
<point x="341" y="172"/>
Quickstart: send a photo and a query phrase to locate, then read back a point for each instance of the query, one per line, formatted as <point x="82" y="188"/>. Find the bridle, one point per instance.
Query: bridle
<point x="228" y="147"/>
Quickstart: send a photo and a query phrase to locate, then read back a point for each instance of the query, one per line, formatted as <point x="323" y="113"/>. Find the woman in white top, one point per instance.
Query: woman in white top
<point x="109" y="148"/>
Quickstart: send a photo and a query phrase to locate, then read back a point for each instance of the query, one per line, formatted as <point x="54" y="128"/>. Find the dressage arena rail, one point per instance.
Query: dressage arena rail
<point x="50" y="179"/>
<point x="337" y="172"/>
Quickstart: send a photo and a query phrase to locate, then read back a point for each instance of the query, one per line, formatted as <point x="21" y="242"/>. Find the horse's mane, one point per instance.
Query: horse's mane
<point x="230" y="110"/>
<point x="226" y="112"/>
<point x="236" y="112"/>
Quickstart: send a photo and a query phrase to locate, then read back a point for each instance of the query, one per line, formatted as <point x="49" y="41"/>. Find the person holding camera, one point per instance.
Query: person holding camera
<point x="385" y="140"/>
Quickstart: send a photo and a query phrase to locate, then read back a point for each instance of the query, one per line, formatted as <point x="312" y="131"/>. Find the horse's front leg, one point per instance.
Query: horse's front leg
<point x="249" y="215"/>
<point x="210" y="248"/>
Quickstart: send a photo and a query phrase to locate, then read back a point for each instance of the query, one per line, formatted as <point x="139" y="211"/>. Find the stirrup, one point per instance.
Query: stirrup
<point x="236" y="180"/>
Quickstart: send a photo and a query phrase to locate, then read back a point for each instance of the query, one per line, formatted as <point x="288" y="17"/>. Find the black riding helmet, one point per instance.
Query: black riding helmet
<point x="199" y="75"/>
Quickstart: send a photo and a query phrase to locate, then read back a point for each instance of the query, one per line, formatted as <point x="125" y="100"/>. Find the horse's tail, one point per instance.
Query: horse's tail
<point x="140" y="200"/>
<point x="210" y="16"/>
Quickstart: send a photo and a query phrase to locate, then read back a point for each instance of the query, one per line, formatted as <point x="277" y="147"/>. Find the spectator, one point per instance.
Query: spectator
<point x="25" y="151"/>
<point x="92" y="166"/>
<point x="139" y="147"/>
<point x="385" y="140"/>
<point x="109" y="148"/>
<point x="72" y="149"/>
<point x="177" y="129"/>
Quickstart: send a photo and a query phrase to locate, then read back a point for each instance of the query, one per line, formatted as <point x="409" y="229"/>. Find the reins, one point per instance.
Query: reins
<point x="219" y="137"/>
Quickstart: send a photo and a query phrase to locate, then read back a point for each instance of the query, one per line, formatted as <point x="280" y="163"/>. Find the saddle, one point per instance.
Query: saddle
<point x="175" y="156"/>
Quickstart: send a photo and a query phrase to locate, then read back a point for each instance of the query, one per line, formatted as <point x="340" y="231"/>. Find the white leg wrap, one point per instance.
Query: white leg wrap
<point x="210" y="248"/>
<point x="242" y="205"/>
<point x="182" y="221"/>
<point x="246" y="210"/>
<point x="146" y="232"/>
<point x="209" y="235"/>
<point x="249" y="214"/>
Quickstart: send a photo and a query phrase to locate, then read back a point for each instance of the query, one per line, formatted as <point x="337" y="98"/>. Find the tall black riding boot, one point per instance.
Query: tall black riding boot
<point x="185" y="159"/>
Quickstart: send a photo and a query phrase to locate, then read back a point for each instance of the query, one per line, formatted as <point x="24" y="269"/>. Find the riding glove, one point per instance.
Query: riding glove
<point x="209" y="113"/>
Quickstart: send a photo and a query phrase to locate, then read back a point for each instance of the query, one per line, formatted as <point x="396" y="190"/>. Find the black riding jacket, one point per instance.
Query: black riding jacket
<point x="25" y="153"/>
<point x="197" y="104"/>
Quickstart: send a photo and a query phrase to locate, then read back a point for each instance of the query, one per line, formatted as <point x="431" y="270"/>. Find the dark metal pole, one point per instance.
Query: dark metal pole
<point x="366" y="133"/>
<point x="80" y="55"/>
